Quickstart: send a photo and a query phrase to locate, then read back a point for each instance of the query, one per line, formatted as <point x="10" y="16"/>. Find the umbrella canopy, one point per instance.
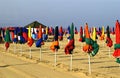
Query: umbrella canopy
<point x="81" y="39"/>
<point x="108" y="39"/>
<point x="25" y="33"/>
<point x="7" y="36"/>
<point x="76" y="32"/>
<point x="55" y="44"/>
<point x="39" y="42"/>
<point x="21" y="39"/>
<point x="103" y="34"/>
<point x="7" y="39"/>
<point x="88" y="46"/>
<point x="60" y="33"/>
<point x="116" y="53"/>
<point x="70" y="46"/>
<point x="91" y="46"/>
<point x="94" y="34"/>
<point x="30" y="39"/>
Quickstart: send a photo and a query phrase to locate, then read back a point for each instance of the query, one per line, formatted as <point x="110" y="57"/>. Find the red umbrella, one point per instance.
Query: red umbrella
<point x="116" y="53"/>
<point x="30" y="39"/>
<point x="60" y="33"/>
<point x="108" y="39"/>
<point x="81" y="39"/>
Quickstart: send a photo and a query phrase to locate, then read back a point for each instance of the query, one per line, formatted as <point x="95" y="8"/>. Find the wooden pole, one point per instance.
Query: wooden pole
<point x="21" y="50"/>
<point x="14" y="47"/>
<point x="70" y="62"/>
<point x="40" y="54"/>
<point x="109" y="51"/>
<point x="30" y="53"/>
<point x="89" y="64"/>
<point x="55" y="58"/>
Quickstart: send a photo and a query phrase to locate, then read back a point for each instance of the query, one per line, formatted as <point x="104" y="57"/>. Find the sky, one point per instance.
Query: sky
<point x="59" y="12"/>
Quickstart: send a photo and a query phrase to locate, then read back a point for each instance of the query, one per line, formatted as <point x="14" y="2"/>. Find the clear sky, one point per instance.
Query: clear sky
<point x="59" y="12"/>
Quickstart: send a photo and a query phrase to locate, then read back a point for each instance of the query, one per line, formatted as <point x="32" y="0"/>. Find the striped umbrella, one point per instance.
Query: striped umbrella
<point x="30" y="39"/>
<point x="60" y="33"/>
<point x="55" y="45"/>
<point x="39" y="42"/>
<point x="116" y="53"/>
<point x="70" y="45"/>
<point x="108" y="39"/>
<point x="81" y="39"/>
<point x="103" y="34"/>
<point x="7" y="39"/>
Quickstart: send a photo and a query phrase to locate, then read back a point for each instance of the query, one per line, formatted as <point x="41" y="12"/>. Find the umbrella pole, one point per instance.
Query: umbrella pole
<point x="89" y="64"/>
<point x="30" y="53"/>
<point x="40" y="54"/>
<point x="21" y="49"/>
<point x="119" y="65"/>
<point x="14" y="47"/>
<point x="109" y="51"/>
<point x="71" y="62"/>
<point x="55" y="57"/>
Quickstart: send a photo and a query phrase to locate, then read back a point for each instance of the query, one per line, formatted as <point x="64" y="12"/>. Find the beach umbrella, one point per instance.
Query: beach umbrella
<point x="108" y="39"/>
<point x="7" y="39"/>
<point x="30" y="40"/>
<point x="116" y="53"/>
<point x="21" y="39"/>
<point x="99" y="31"/>
<point x="81" y="39"/>
<point x="113" y="31"/>
<point x="51" y="31"/>
<point x="70" y="45"/>
<point x="76" y="32"/>
<point x="55" y="44"/>
<point x="33" y="34"/>
<point x="46" y="36"/>
<point x="68" y="33"/>
<point x="12" y="35"/>
<point x="103" y="34"/>
<point x="39" y="42"/>
<point x="91" y="46"/>
<point x="94" y="44"/>
<point x="60" y="33"/>
<point x="25" y="33"/>
<point x="88" y="46"/>
<point x="15" y="40"/>
<point x="1" y="35"/>
<point x="43" y="34"/>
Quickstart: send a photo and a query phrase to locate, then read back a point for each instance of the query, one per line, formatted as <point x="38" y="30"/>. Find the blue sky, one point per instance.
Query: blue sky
<point x="59" y="12"/>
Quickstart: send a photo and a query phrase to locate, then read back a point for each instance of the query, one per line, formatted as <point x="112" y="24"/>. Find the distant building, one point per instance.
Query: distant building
<point x="35" y="24"/>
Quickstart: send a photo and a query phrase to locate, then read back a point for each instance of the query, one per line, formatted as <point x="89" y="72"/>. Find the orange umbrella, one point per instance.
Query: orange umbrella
<point x="55" y="44"/>
<point x="87" y="47"/>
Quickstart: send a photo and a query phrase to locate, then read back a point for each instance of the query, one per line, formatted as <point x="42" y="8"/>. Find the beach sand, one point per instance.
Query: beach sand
<point x="16" y="63"/>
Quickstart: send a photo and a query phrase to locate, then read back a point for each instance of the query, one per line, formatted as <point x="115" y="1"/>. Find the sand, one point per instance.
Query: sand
<point x="16" y="62"/>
